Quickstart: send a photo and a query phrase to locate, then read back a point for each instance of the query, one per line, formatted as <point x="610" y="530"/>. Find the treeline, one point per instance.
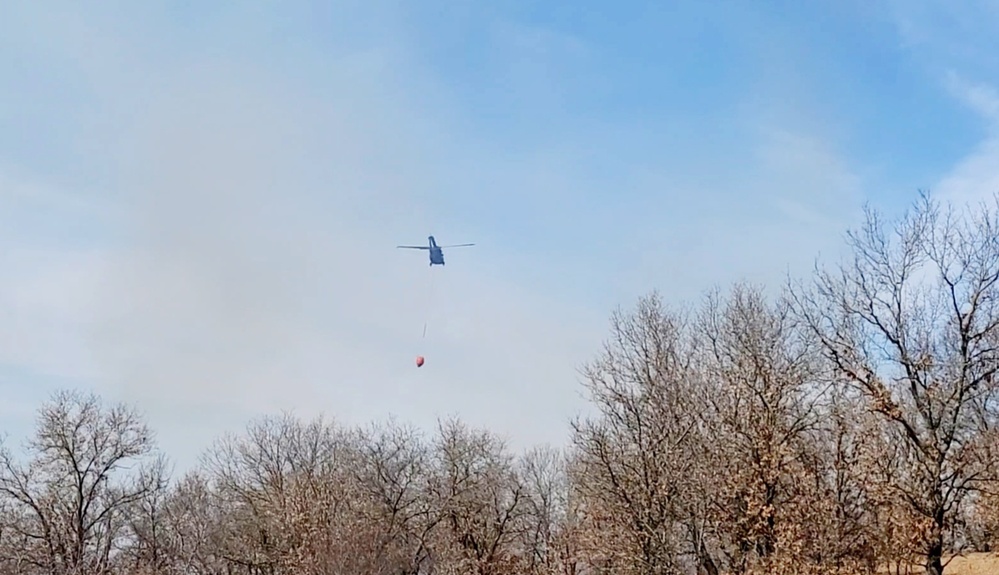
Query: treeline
<point x="842" y="426"/>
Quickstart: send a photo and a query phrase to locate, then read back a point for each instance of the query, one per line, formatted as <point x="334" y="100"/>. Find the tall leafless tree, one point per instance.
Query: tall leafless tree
<point x="393" y="472"/>
<point x="633" y="457"/>
<point x="289" y="499"/>
<point x="479" y="498"/>
<point x="70" y="500"/>
<point x="192" y="516"/>
<point x="147" y="547"/>
<point x="912" y="320"/>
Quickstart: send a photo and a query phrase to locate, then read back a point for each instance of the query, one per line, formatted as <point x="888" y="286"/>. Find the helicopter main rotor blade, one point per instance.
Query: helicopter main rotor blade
<point x="415" y="247"/>
<point x="456" y="246"/>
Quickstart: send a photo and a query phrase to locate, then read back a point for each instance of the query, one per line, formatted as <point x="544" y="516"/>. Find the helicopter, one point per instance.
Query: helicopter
<point x="436" y="251"/>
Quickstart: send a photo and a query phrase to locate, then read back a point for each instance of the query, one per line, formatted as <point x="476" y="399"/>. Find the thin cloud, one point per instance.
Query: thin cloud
<point x="976" y="177"/>
<point x="980" y="97"/>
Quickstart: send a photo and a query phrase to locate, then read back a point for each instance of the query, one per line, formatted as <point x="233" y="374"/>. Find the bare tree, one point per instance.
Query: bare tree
<point x="288" y="499"/>
<point x="632" y="460"/>
<point x="70" y="500"/>
<point x="393" y="472"/>
<point x="548" y="545"/>
<point x="147" y="547"/>
<point x="478" y="500"/>
<point x="912" y="320"/>
<point x="194" y="516"/>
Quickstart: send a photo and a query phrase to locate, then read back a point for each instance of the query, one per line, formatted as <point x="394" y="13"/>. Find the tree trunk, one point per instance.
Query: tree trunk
<point x="934" y="551"/>
<point x="705" y="563"/>
<point x="934" y="556"/>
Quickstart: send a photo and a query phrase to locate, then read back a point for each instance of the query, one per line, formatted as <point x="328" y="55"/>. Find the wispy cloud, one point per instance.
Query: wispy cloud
<point x="960" y="44"/>
<point x="982" y="98"/>
<point x="975" y="178"/>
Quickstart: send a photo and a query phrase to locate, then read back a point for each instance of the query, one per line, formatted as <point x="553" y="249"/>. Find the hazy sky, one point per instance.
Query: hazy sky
<point x="199" y="204"/>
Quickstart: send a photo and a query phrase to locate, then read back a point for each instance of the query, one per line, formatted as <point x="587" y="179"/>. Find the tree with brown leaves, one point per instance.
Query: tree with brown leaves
<point x="761" y="387"/>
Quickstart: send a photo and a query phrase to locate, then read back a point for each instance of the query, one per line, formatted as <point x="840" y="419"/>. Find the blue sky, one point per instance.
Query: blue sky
<point x="199" y="204"/>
